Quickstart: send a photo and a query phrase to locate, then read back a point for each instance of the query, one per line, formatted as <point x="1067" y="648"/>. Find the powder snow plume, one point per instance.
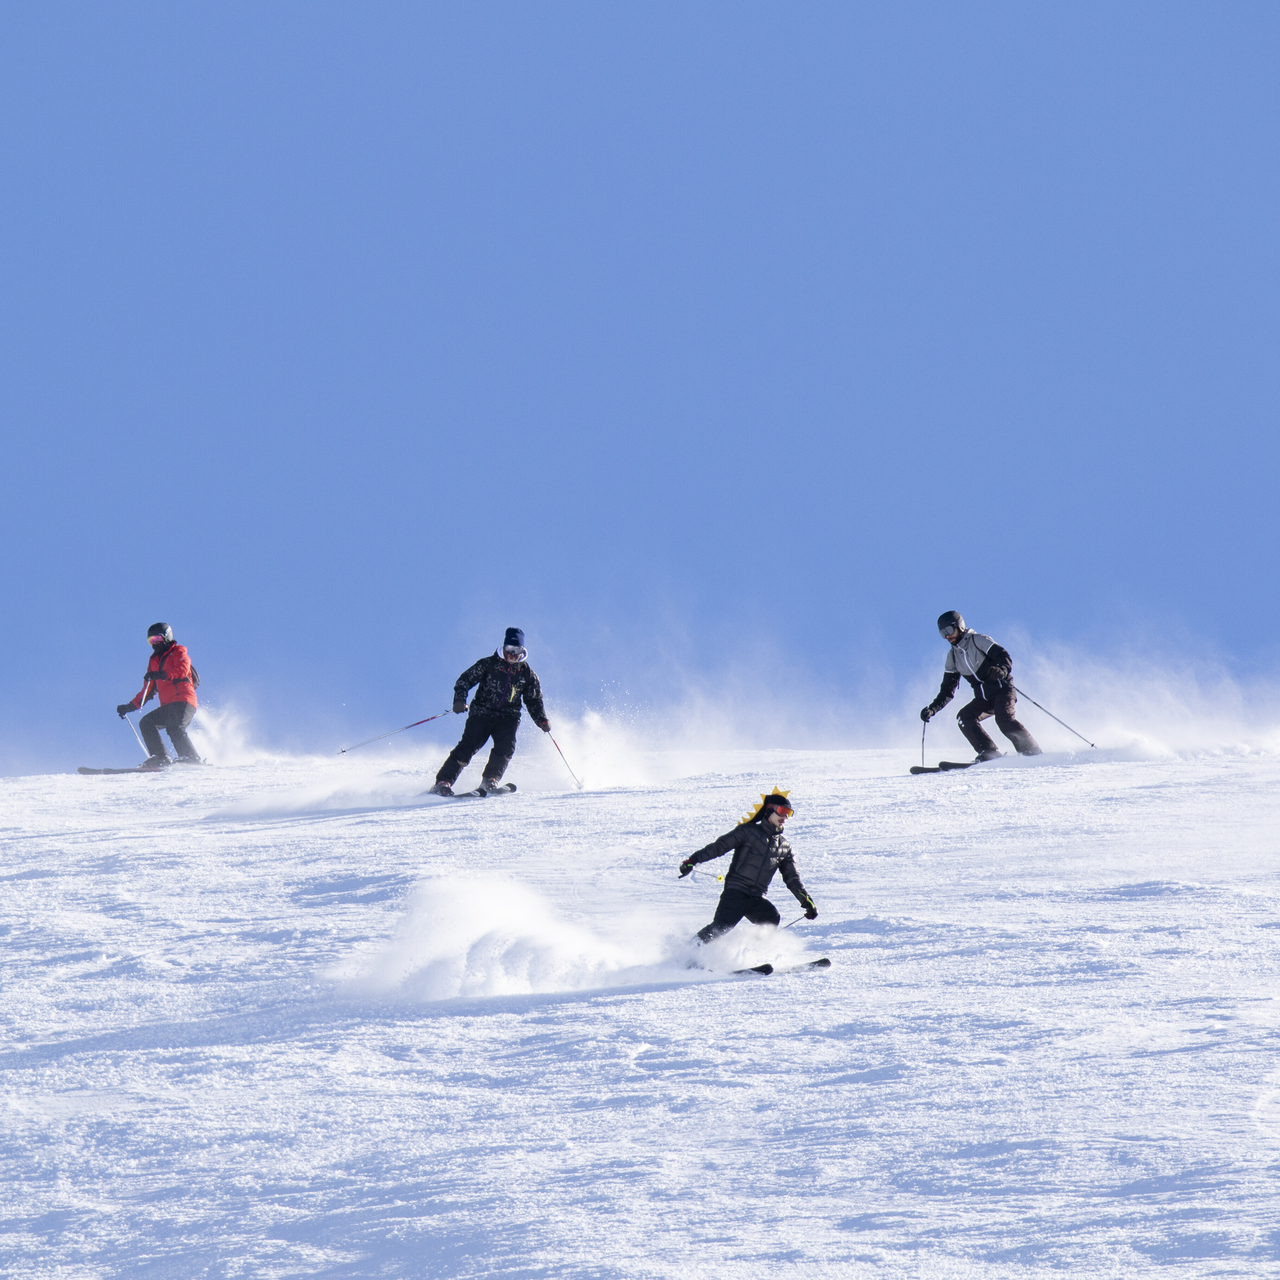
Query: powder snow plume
<point x="486" y="936"/>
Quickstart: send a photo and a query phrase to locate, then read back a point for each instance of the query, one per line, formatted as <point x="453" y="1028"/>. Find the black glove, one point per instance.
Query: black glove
<point x="685" y="867"/>
<point x="124" y="708"/>
<point x="459" y="706"/>
<point x="927" y="713"/>
<point x="810" y="911"/>
<point x="992" y="687"/>
<point x="544" y="725"/>
<point x="996" y="675"/>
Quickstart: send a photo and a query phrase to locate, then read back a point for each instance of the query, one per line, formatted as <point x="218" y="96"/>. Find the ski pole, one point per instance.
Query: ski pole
<point x="1051" y="716"/>
<point x="146" y="684"/>
<point x="795" y="921"/>
<point x="136" y="734"/>
<point x="923" y="727"/>
<point x="567" y="765"/>
<point x="392" y="733"/>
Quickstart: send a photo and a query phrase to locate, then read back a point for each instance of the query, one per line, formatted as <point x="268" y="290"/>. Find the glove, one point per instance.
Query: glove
<point x="927" y="713"/>
<point x="151" y="677"/>
<point x="124" y="708"/>
<point x="544" y="725"/>
<point x="810" y="911"/>
<point x="459" y="706"/>
<point x="685" y="867"/>
<point x="996" y="675"/>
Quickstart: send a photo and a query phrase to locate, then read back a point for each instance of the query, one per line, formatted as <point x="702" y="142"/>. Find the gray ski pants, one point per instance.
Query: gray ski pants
<point x="175" y="718"/>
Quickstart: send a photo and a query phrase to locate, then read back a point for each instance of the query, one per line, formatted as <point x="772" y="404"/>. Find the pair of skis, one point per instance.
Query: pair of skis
<point x="944" y="766"/>
<point x="478" y="794"/>
<point x="139" y="768"/>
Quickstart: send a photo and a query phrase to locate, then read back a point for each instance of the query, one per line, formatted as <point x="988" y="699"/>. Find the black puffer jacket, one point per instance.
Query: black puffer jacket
<point x="502" y="686"/>
<point x="759" y="851"/>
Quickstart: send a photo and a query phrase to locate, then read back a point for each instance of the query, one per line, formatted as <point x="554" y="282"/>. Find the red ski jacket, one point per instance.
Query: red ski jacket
<point x="171" y="670"/>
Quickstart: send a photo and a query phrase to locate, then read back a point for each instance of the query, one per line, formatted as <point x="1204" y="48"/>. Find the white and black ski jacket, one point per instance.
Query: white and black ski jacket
<point x="759" y="849"/>
<point x="986" y="665"/>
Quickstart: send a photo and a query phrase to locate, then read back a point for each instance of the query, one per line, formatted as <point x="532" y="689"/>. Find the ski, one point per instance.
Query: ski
<point x="920" y="768"/>
<point x="767" y="969"/>
<point x="944" y="766"/>
<point x="137" y="768"/>
<point x="824" y="963"/>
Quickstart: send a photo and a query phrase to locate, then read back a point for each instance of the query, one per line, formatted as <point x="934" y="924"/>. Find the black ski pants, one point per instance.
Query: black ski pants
<point x="1000" y="704"/>
<point x="733" y="906"/>
<point x="175" y="718"/>
<point x="479" y="729"/>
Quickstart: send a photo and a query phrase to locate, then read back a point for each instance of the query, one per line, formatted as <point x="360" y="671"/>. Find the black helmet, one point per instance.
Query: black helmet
<point x="950" y="623"/>
<point x="775" y="799"/>
<point x="160" y="633"/>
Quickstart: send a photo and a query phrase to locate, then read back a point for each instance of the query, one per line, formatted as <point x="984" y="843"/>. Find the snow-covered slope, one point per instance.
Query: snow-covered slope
<point x="290" y="1018"/>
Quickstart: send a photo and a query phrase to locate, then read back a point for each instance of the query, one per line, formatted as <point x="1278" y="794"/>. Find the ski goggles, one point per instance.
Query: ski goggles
<point x="513" y="652"/>
<point x="949" y="630"/>
<point x="783" y="810"/>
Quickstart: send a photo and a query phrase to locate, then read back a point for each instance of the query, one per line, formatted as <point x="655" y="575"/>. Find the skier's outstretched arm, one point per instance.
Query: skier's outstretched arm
<point x="716" y="849"/>
<point x="139" y="699"/>
<point x="533" y="701"/>
<point x="791" y="878"/>
<point x="950" y="681"/>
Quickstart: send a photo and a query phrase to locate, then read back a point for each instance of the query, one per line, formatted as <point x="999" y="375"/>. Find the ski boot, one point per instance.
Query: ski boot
<point x="156" y="762"/>
<point x="440" y="789"/>
<point x="989" y="754"/>
<point x="490" y="784"/>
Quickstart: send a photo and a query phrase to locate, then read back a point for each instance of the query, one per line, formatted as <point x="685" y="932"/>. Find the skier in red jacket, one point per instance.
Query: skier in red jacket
<point x="170" y="674"/>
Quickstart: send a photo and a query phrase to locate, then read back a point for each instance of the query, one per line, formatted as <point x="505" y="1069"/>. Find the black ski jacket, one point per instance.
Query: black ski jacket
<point x="759" y="851"/>
<point x="502" y="686"/>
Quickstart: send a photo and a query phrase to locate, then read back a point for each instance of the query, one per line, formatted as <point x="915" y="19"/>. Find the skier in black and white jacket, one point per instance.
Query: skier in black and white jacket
<point x="988" y="668"/>
<point x="759" y="849"/>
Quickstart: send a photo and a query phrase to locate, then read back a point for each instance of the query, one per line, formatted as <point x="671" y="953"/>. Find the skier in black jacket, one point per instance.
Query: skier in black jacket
<point x="989" y="670"/>
<point x="759" y="849"/>
<point x="504" y="679"/>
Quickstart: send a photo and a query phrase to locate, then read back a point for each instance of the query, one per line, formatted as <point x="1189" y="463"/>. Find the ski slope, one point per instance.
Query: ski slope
<point x="289" y="1017"/>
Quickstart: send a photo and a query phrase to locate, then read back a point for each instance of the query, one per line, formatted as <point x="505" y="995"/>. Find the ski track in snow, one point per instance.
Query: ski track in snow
<point x="289" y="1019"/>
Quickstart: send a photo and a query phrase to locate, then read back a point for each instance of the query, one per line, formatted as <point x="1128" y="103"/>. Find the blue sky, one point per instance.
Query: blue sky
<point x="343" y="336"/>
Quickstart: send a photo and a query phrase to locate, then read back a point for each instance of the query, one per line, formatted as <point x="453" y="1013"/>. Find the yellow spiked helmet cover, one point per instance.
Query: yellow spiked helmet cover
<point x="773" y="796"/>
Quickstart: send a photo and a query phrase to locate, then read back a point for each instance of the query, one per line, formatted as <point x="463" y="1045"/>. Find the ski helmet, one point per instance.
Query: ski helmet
<point x="949" y="623"/>
<point x="772" y="799"/>
<point x="160" y="633"/>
